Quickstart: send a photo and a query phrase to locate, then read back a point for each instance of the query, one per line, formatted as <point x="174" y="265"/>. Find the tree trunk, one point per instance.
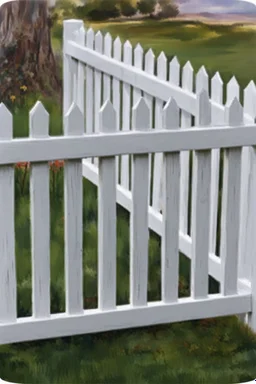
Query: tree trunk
<point x="26" y="56"/>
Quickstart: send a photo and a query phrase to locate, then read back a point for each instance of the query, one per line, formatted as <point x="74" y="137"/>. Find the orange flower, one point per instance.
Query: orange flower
<point x="22" y="165"/>
<point x="56" y="165"/>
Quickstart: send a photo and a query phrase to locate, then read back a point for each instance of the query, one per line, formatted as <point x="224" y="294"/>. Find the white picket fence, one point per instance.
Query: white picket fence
<point x="102" y="128"/>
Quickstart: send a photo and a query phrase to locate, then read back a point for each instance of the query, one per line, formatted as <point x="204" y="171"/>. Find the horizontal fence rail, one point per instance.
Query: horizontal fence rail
<point x="112" y="144"/>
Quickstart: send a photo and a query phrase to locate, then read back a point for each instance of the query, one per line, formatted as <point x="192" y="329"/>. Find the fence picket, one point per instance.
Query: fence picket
<point x="127" y="59"/>
<point x="138" y="61"/>
<point x="8" y="283"/>
<point x="186" y="122"/>
<point x="69" y="29"/>
<point x="231" y="205"/>
<point x="233" y="90"/>
<point x="217" y="119"/>
<point x="116" y="95"/>
<point x="106" y="78"/>
<point x="149" y="68"/>
<point x="158" y="157"/>
<point x="202" y="84"/>
<point x="107" y="217"/>
<point x="174" y="78"/>
<point x="89" y="87"/>
<point x="40" y="219"/>
<point x="73" y="202"/>
<point x="245" y="253"/>
<point x="171" y="196"/>
<point x="97" y="87"/>
<point x="80" y="39"/>
<point x="139" y="233"/>
<point x="201" y="185"/>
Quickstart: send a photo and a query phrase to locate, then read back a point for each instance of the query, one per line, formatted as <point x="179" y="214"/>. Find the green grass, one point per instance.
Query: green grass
<point x="224" y="48"/>
<point x="212" y="351"/>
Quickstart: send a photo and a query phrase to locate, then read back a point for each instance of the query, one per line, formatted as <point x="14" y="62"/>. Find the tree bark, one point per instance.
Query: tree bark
<point x="26" y="54"/>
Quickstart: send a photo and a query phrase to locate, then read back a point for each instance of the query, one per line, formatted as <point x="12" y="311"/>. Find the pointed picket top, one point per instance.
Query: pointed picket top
<point x="117" y="51"/>
<point x="98" y="42"/>
<point x="90" y="38"/>
<point x="74" y="121"/>
<point x="127" y="52"/>
<point x="138" y="56"/>
<point x="251" y="87"/>
<point x="38" y="121"/>
<point x="138" y="49"/>
<point x="171" y="115"/>
<point x="234" y="114"/>
<point x="107" y="117"/>
<point x="80" y="35"/>
<point x="162" y="66"/>
<point x="174" y="71"/>
<point x="6" y="130"/>
<point x="216" y="79"/>
<point x="202" y="80"/>
<point x="108" y="45"/>
<point x="233" y="89"/>
<point x="188" y="67"/>
<point x="187" y="78"/>
<point x="150" y="61"/>
<point x="217" y="88"/>
<point x="250" y="99"/>
<point x="162" y="59"/>
<point x="204" y="111"/>
<point x="141" y="115"/>
<point x="127" y="45"/>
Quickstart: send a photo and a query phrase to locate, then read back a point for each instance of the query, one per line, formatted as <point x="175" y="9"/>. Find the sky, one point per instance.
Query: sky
<point x="215" y="6"/>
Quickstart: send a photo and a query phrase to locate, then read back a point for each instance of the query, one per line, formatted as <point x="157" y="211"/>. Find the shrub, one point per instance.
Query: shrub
<point x="146" y="7"/>
<point x="168" y="9"/>
<point x="98" y="10"/>
<point x="127" y="8"/>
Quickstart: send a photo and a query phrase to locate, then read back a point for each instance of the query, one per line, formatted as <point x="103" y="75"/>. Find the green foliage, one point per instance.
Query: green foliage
<point x="127" y="9"/>
<point x="168" y="9"/>
<point x="146" y="7"/>
<point x="98" y="10"/>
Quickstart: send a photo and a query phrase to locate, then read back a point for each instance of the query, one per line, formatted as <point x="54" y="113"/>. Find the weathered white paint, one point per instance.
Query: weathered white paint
<point x="40" y="218"/>
<point x="158" y="157"/>
<point x="139" y="233"/>
<point x="171" y="196"/>
<point x="97" y="87"/>
<point x="132" y="142"/>
<point x="231" y="206"/>
<point x="186" y="121"/>
<point x="106" y="78"/>
<point x="149" y="68"/>
<point x="216" y="119"/>
<point x="201" y="184"/>
<point x="73" y="218"/>
<point x="89" y="87"/>
<point x="8" y="284"/>
<point x="126" y="114"/>
<point x="116" y="96"/>
<point x="125" y="316"/>
<point x="107" y="217"/>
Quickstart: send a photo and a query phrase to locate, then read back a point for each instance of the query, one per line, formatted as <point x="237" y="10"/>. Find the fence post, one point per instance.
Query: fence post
<point x="69" y="29"/>
<point x="251" y="238"/>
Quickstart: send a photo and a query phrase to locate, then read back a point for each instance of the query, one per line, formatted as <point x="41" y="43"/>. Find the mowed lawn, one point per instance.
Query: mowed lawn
<point x="206" y="351"/>
<point x="229" y="49"/>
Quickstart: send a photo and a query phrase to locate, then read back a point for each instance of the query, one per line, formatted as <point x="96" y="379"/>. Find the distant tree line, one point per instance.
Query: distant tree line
<point x="98" y="10"/>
